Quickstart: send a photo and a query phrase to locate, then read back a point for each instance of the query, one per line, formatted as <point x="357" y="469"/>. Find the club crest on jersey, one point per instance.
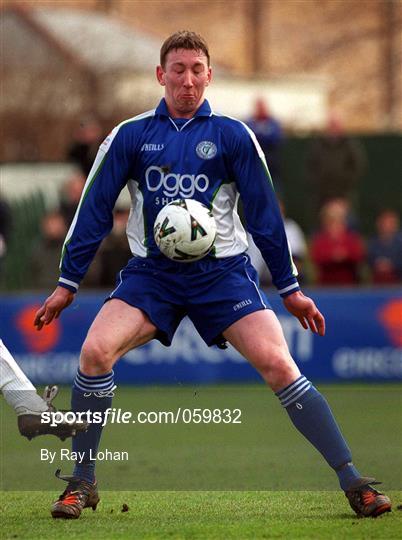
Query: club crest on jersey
<point x="206" y="150"/>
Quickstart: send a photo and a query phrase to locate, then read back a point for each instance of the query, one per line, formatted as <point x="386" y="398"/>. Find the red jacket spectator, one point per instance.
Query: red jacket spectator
<point x="336" y="251"/>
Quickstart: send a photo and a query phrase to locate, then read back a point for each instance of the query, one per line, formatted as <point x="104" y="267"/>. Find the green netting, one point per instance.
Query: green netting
<point x="27" y="215"/>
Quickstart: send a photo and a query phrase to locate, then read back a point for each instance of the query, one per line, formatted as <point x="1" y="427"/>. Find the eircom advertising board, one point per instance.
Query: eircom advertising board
<point x="363" y="342"/>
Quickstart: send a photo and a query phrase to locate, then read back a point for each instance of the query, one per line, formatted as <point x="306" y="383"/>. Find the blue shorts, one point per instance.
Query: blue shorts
<point x="213" y="293"/>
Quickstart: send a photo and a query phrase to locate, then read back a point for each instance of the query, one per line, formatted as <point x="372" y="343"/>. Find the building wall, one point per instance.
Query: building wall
<point x="346" y="40"/>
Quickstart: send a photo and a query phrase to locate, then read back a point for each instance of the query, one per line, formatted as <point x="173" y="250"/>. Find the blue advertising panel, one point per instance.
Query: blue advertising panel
<point x="363" y="342"/>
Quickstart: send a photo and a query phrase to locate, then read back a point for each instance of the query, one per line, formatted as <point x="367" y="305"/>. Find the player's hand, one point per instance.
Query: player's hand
<point x="53" y="306"/>
<point x="306" y="311"/>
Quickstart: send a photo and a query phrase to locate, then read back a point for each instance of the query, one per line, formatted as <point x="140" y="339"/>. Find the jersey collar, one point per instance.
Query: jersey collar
<point x="203" y="110"/>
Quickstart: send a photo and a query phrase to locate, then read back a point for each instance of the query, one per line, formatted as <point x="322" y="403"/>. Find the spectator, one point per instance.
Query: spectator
<point x="269" y="134"/>
<point x="297" y="241"/>
<point x="335" y="164"/>
<point x="46" y="253"/>
<point x="385" y="249"/>
<point x="115" y="251"/>
<point x="84" y="147"/>
<point x="297" y="244"/>
<point x="5" y="229"/>
<point x="70" y="197"/>
<point x="336" y="251"/>
<point x="45" y="256"/>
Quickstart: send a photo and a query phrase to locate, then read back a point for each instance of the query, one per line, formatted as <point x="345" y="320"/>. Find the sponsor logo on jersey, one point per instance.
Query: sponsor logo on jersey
<point x="206" y="150"/>
<point x="175" y="184"/>
<point x="104" y="147"/>
<point x="106" y="143"/>
<point x="242" y="304"/>
<point x="152" y="147"/>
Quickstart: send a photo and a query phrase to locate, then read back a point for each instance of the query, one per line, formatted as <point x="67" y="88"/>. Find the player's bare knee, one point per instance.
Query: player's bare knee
<point x="279" y="370"/>
<point x="95" y="357"/>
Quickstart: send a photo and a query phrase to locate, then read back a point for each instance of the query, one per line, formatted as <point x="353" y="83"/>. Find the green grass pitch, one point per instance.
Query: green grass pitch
<point x="257" y="479"/>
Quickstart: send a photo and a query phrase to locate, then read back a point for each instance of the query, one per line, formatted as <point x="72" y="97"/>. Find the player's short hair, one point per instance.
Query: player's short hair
<point x="184" y="39"/>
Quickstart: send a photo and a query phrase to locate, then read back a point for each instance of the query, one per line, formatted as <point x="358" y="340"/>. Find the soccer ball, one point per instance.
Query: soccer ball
<point x="185" y="230"/>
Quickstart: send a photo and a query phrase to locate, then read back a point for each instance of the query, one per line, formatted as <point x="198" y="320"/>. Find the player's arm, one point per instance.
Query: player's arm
<point x="304" y="309"/>
<point x="265" y="224"/>
<point x="261" y="210"/>
<point x="53" y="306"/>
<point x="92" y="222"/>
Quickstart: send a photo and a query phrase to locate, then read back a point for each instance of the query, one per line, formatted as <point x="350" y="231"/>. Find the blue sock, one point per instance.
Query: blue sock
<point x="311" y="415"/>
<point x="94" y="394"/>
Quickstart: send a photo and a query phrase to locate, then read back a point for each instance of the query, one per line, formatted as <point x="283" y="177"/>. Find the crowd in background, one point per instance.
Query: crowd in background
<point x="112" y="255"/>
<point x="335" y="254"/>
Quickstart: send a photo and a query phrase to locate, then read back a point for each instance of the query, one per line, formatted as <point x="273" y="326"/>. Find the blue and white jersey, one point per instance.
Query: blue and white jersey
<point x="211" y="158"/>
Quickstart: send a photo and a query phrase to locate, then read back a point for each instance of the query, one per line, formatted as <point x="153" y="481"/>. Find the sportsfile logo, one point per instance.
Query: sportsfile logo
<point x="174" y="184"/>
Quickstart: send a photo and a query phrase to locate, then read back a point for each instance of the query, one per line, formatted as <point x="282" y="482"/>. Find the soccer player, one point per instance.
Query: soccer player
<point x="21" y="394"/>
<point x="183" y="149"/>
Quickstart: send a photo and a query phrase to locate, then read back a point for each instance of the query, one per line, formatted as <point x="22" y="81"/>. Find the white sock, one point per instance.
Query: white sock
<point x="17" y="389"/>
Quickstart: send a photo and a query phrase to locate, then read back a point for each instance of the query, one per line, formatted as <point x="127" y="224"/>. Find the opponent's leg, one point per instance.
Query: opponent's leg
<point x="17" y="389"/>
<point x="259" y="338"/>
<point x="117" y="329"/>
<point x="21" y="394"/>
